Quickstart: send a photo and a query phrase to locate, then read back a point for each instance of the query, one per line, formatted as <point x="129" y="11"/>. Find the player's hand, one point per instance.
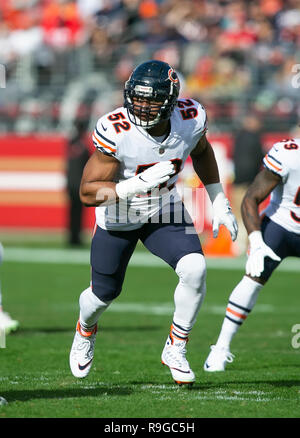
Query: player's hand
<point x="145" y="181"/>
<point x="257" y="253"/>
<point x="222" y="215"/>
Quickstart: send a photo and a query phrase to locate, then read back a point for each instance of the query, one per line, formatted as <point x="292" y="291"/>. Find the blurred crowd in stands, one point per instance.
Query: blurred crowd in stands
<point x="66" y="59"/>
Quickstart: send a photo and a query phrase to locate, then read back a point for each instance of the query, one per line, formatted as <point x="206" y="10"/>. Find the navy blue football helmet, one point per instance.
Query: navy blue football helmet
<point x="157" y="83"/>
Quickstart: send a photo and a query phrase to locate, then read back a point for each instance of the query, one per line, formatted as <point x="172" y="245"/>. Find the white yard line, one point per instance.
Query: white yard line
<point x="168" y="308"/>
<point x="161" y="309"/>
<point x="72" y="256"/>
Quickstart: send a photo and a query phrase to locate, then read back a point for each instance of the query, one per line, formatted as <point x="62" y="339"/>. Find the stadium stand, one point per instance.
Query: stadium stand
<point x="66" y="60"/>
<point x="66" y="56"/>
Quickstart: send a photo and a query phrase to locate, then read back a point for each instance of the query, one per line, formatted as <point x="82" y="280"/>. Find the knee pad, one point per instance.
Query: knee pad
<point x="191" y="270"/>
<point x="106" y="287"/>
<point x="191" y="289"/>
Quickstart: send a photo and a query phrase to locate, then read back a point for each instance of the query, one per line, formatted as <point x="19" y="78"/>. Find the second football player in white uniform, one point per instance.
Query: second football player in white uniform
<point x="130" y="178"/>
<point x="273" y="236"/>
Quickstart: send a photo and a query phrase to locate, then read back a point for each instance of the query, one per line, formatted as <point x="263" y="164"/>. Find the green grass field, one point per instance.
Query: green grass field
<point x="127" y="379"/>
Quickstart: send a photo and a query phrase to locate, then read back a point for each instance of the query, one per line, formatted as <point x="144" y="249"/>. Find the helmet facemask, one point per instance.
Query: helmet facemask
<point x="160" y="93"/>
<point x="149" y="115"/>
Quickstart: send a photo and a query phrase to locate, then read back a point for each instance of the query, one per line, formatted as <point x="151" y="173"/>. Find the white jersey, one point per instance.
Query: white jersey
<point x="136" y="150"/>
<point x="284" y="208"/>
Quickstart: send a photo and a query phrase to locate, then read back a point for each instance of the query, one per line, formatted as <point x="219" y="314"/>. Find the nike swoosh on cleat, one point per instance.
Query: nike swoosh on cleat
<point x="181" y="371"/>
<point x="207" y="366"/>
<point x="83" y="367"/>
<point x="104" y="129"/>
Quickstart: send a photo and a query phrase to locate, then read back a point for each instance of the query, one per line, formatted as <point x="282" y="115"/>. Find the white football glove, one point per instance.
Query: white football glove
<point x="222" y="215"/>
<point x="257" y="253"/>
<point x="145" y="181"/>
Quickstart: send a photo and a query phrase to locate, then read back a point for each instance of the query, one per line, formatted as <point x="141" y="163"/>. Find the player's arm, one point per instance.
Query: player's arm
<point x="98" y="187"/>
<point x="263" y="184"/>
<point x="97" y="184"/>
<point x="204" y="162"/>
<point x="205" y="166"/>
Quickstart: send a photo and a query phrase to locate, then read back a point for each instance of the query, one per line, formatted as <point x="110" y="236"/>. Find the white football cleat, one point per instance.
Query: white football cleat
<point x="217" y="359"/>
<point x="7" y="323"/>
<point x="82" y="352"/>
<point x="173" y="356"/>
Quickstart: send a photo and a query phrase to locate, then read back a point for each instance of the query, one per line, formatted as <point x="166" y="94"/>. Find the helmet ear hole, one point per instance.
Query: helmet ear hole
<point x="155" y="81"/>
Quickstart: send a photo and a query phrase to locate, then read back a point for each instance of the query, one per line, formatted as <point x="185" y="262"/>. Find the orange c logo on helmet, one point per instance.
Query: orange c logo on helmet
<point x="173" y="76"/>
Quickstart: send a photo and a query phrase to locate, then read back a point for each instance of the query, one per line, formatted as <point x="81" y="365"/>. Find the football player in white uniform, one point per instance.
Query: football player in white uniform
<point x="273" y="236"/>
<point x="130" y="178"/>
<point x="6" y="322"/>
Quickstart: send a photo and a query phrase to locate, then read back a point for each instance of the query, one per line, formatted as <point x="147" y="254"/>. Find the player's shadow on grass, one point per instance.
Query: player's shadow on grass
<point x="226" y="384"/>
<point x="284" y="383"/>
<point x="26" y="395"/>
